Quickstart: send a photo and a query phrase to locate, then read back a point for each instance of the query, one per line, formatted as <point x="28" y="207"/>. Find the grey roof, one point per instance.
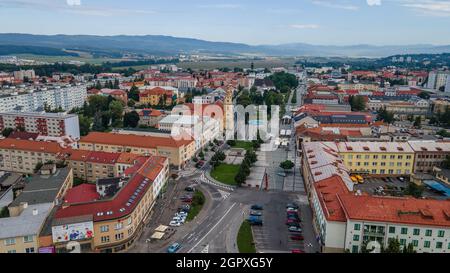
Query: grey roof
<point x="42" y="188"/>
<point x="26" y="223"/>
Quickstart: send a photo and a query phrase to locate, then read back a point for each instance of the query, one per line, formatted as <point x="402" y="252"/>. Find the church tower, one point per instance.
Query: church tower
<point x="228" y="115"/>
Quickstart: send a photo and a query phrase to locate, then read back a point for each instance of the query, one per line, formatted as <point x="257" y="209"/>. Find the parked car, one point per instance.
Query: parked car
<point x="292" y="205"/>
<point x="282" y="174"/>
<point x="296" y="250"/>
<point x="173" y="248"/>
<point x="256" y="207"/>
<point x="297" y="237"/>
<point x="174" y="224"/>
<point x="293" y="217"/>
<point x="295" y="229"/>
<point x="189" y="189"/>
<point x="185" y="208"/>
<point x="291" y="209"/>
<point x="256" y="213"/>
<point x="292" y="221"/>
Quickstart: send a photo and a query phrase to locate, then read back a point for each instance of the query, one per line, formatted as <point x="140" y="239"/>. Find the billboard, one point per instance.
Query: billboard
<point x="73" y="232"/>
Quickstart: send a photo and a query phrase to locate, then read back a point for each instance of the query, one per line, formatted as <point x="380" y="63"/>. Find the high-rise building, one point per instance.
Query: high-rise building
<point x="228" y="115"/>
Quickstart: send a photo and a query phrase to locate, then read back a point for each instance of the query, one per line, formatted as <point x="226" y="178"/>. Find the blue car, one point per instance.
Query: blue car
<point x="256" y="207"/>
<point x="173" y="248"/>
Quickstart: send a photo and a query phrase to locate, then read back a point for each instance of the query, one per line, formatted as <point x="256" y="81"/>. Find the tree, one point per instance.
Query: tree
<point x="424" y="95"/>
<point x="414" y="190"/>
<point x="357" y="103"/>
<point x="131" y="119"/>
<point x="116" y="109"/>
<point x="447" y="162"/>
<point x="7" y="131"/>
<point x="386" y="116"/>
<point x="134" y="93"/>
<point x="393" y="246"/>
<point x="417" y="122"/>
<point x="409" y="249"/>
<point x="287" y="165"/>
<point x="85" y="124"/>
<point x="97" y="123"/>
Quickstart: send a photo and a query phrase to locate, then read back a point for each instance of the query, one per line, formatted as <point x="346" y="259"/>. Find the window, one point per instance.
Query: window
<point x="356" y="238"/>
<point x="28" y="239"/>
<point x="10" y="241"/>
<point x="415" y="242"/>
<point x="119" y="226"/>
<point x="119" y="236"/>
<point x="441" y="233"/>
<point x="354" y="249"/>
<point x="104" y="228"/>
<point x="105" y="239"/>
<point x="402" y="242"/>
<point x="428" y="232"/>
<point x="357" y="227"/>
<point x="438" y="245"/>
<point x="29" y="250"/>
<point x="404" y="230"/>
<point x="426" y="244"/>
<point x="391" y="229"/>
<point x="416" y="231"/>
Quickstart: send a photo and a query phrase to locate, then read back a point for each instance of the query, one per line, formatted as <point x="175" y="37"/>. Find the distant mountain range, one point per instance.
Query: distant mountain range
<point x="115" y="46"/>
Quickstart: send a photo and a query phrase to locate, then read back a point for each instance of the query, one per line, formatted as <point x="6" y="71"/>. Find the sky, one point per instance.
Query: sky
<point x="256" y="22"/>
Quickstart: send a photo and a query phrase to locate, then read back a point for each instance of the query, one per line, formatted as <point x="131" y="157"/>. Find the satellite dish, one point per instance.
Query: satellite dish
<point x="373" y="247"/>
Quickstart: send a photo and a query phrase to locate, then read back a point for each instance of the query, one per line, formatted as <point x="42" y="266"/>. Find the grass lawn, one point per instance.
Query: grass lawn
<point x="243" y="144"/>
<point x="225" y="173"/>
<point x="197" y="204"/>
<point x="245" y="239"/>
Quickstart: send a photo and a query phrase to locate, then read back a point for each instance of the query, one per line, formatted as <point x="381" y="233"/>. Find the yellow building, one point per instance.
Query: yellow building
<point x="377" y="158"/>
<point x="178" y="151"/>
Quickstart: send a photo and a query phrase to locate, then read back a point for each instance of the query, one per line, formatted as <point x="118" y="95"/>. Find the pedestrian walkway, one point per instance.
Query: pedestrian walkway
<point x="209" y="180"/>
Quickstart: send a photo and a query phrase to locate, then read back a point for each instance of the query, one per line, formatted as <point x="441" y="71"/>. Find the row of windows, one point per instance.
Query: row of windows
<point x="391" y="164"/>
<point x="380" y="157"/>
<point x="12" y="241"/>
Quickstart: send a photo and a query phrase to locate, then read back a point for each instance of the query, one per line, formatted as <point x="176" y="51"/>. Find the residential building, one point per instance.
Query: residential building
<point x="348" y="220"/>
<point x="150" y="117"/>
<point x="429" y="154"/>
<point x="178" y="151"/>
<point x="156" y="96"/>
<point x="24" y="74"/>
<point x="30" y="99"/>
<point x="46" y="124"/>
<point x="111" y="223"/>
<point x="94" y="165"/>
<point x="23" y="155"/>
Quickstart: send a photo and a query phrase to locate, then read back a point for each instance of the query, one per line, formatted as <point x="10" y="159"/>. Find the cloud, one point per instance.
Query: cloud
<point x="374" y="2"/>
<point x="70" y="6"/>
<point x="306" y="26"/>
<point x="428" y="7"/>
<point x="335" y="4"/>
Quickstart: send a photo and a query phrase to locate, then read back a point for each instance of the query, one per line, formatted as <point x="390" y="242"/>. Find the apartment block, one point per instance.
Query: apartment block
<point x="46" y="124"/>
<point x="429" y="154"/>
<point x="177" y="151"/>
<point x="23" y="155"/>
<point x="31" y="99"/>
<point x="110" y="222"/>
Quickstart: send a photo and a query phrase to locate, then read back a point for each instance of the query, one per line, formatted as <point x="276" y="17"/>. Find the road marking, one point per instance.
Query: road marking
<point x="218" y="222"/>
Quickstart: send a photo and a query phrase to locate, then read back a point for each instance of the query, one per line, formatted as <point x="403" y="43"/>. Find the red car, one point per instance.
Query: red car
<point x="291" y="221"/>
<point x="297" y="237"/>
<point x="297" y="251"/>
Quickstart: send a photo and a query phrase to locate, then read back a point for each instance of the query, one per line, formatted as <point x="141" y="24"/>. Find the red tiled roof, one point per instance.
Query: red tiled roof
<point x="133" y="140"/>
<point x="327" y="191"/>
<point x="94" y="157"/>
<point x="31" y="145"/>
<point x="397" y="210"/>
<point x="23" y="135"/>
<point x="81" y="194"/>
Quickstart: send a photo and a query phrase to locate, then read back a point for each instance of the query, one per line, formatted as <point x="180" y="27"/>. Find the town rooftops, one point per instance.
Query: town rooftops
<point x="405" y="210"/>
<point x="23" y="135"/>
<point x="29" y="222"/>
<point x="151" y="142"/>
<point x="82" y="193"/>
<point x="429" y="146"/>
<point x="30" y="145"/>
<point x="42" y="188"/>
<point x="94" y="156"/>
<point x="125" y="200"/>
<point x="327" y="192"/>
<point x="150" y="113"/>
<point x="373" y="147"/>
<point x="39" y="115"/>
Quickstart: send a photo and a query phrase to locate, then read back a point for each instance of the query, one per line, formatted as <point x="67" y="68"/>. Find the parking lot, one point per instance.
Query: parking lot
<point x="392" y="186"/>
<point x="273" y="235"/>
